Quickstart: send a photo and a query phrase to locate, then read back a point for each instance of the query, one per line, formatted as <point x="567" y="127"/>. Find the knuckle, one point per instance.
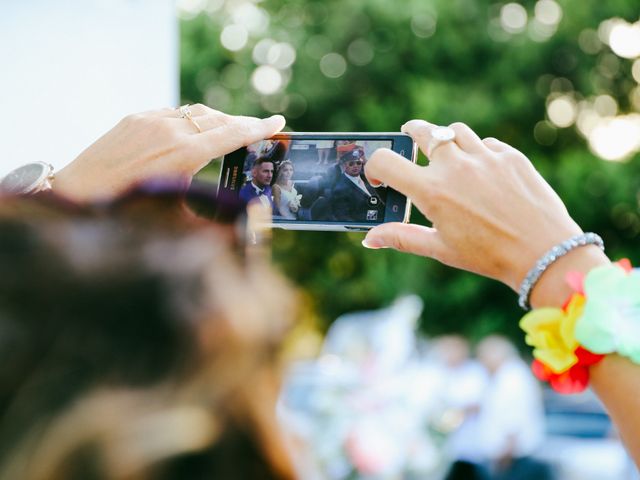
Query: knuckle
<point x="459" y="126"/>
<point x="133" y="118"/>
<point x="199" y="109"/>
<point x="422" y="131"/>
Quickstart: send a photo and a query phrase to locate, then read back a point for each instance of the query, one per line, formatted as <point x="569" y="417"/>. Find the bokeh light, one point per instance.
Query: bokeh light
<point x="188" y="9"/>
<point x="281" y="55"/>
<point x="605" y="105"/>
<point x="621" y="36"/>
<point x="267" y="79"/>
<point x="513" y="18"/>
<point x="616" y="138"/>
<point x="587" y="119"/>
<point x="234" y="37"/>
<point x="251" y="17"/>
<point x="213" y="6"/>
<point x="589" y="41"/>
<point x="333" y="65"/>
<point x="635" y="70"/>
<point x="634" y="98"/>
<point x="624" y="39"/>
<point x="562" y="111"/>
<point x="541" y="32"/>
<point x="548" y="12"/>
<point x="260" y="53"/>
<point x="545" y="133"/>
<point x="423" y="25"/>
<point x="360" y="52"/>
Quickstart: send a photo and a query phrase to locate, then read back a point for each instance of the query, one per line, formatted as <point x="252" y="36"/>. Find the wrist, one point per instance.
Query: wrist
<point x="552" y="290"/>
<point x="70" y="184"/>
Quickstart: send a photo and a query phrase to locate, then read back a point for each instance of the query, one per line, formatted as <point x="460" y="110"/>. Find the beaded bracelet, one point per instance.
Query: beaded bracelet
<point x="601" y="317"/>
<point x="550" y="257"/>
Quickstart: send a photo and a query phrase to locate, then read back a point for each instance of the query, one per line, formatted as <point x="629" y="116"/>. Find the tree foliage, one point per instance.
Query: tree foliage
<point x="445" y="61"/>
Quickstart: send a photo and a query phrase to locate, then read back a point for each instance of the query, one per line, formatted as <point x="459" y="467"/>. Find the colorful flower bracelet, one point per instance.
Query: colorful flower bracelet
<point x="602" y="316"/>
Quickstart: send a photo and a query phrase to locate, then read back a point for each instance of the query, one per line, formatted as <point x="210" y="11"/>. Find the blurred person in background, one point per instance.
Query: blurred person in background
<point x="511" y="414"/>
<point x="465" y="383"/>
<point x="128" y="351"/>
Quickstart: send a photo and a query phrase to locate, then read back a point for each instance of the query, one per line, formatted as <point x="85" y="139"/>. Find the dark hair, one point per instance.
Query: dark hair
<point x="127" y="311"/>
<point x="260" y="160"/>
<point x="355" y="154"/>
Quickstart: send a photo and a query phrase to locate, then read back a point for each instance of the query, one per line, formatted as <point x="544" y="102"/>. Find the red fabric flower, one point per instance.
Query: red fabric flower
<point x="574" y="380"/>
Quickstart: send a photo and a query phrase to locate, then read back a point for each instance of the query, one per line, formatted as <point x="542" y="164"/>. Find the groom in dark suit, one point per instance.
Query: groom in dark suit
<point x="260" y="185"/>
<point x="353" y="199"/>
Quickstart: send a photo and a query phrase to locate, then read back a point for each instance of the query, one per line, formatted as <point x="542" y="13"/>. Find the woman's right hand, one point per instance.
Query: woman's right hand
<point x="158" y="144"/>
<point x="492" y="213"/>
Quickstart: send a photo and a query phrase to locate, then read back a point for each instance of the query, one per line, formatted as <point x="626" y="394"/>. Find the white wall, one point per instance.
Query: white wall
<point x="70" y="69"/>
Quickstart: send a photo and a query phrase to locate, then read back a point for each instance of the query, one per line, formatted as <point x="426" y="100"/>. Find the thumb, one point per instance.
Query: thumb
<point x="408" y="238"/>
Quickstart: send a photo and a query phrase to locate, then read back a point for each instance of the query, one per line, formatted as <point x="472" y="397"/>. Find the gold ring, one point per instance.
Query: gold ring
<point x="185" y="112"/>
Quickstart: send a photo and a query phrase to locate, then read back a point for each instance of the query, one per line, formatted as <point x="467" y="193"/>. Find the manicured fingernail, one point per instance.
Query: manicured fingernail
<point x="373" y="243"/>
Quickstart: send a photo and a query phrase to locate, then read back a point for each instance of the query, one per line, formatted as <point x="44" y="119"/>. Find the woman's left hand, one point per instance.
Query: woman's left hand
<point x="158" y="144"/>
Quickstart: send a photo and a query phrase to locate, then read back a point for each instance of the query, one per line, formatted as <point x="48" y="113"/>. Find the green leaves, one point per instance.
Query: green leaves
<point x="445" y="61"/>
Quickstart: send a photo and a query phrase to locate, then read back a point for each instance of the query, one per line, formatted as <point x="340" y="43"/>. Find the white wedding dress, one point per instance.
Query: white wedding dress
<point x="286" y="197"/>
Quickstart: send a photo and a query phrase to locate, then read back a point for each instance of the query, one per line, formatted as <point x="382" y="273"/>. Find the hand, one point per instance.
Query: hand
<point x="492" y="213"/>
<point x="158" y="144"/>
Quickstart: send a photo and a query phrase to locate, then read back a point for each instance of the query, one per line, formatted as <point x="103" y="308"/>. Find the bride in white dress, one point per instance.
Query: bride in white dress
<point x="285" y="196"/>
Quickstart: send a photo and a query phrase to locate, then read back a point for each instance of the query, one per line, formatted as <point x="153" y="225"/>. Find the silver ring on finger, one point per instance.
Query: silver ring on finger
<point x="439" y="136"/>
<point x="186" y="113"/>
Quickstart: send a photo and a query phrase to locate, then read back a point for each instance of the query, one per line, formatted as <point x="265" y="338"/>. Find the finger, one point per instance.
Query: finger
<point x="421" y="132"/>
<point x="407" y="237"/>
<point x="197" y="110"/>
<point x="467" y="139"/>
<point x="211" y="120"/>
<point x="161" y="112"/>
<point x="496" y="145"/>
<point x="386" y="166"/>
<point x="239" y="132"/>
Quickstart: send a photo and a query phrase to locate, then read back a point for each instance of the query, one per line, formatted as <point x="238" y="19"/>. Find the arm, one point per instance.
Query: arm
<point x="491" y="189"/>
<point x="158" y="144"/>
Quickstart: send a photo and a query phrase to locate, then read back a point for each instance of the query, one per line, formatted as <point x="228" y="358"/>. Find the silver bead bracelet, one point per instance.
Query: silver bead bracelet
<point x="550" y="257"/>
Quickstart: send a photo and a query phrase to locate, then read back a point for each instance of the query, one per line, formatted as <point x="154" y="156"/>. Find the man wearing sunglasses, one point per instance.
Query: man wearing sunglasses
<point x="353" y="198"/>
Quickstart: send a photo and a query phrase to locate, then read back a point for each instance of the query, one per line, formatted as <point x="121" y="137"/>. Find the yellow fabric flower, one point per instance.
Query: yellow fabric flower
<point x="550" y="331"/>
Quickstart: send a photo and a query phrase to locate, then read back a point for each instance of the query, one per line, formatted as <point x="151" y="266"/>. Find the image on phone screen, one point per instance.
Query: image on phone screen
<point x="312" y="180"/>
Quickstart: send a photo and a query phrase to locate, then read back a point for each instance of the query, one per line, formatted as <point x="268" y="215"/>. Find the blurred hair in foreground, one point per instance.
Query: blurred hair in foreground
<point x="137" y="341"/>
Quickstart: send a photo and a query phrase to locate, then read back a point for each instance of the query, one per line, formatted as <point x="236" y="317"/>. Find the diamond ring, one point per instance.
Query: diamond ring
<point x="439" y="135"/>
<point x="185" y="112"/>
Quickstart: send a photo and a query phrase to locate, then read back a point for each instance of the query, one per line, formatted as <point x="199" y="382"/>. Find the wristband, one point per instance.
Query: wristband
<point x="601" y="317"/>
<point x="549" y="258"/>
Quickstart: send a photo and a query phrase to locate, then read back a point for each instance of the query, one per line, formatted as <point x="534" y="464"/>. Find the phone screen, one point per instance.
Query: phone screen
<point x="312" y="180"/>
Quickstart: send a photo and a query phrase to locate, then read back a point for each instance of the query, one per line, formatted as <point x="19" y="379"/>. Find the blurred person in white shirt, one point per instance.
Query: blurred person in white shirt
<point x="465" y="381"/>
<point x="511" y="417"/>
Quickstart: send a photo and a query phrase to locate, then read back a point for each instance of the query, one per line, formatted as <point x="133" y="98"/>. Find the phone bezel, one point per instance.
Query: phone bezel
<point x="402" y="144"/>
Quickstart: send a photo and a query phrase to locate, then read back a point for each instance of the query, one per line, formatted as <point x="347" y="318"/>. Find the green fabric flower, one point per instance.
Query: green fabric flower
<point x="611" y="319"/>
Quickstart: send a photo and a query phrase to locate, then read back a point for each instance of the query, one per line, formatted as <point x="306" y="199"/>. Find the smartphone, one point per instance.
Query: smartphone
<point x="315" y="181"/>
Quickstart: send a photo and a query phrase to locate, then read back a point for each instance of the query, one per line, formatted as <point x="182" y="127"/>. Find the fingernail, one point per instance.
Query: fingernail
<point x="373" y="243"/>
